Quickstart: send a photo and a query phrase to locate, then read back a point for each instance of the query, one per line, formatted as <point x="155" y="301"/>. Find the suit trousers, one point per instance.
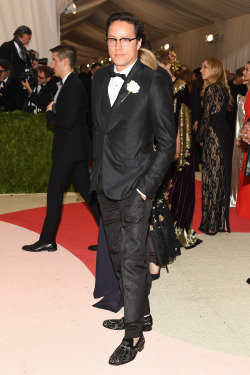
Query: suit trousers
<point x="60" y="174"/>
<point x="126" y="226"/>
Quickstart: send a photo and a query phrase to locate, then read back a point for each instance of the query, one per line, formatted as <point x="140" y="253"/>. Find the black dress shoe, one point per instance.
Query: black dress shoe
<point x="248" y="281"/>
<point x="177" y="251"/>
<point x="92" y="248"/>
<point x="155" y="276"/>
<point x="39" y="246"/>
<point x="126" y="351"/>
<point x="118" y="324"/>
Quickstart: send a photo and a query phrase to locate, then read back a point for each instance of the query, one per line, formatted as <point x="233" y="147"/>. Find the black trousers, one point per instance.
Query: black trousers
<point x="126" y="226"/>
<point x="60" y="174"/>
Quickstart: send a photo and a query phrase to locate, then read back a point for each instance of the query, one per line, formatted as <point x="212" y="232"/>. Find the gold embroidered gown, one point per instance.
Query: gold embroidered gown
<point x="181" y="177"/>
<point x="179" y="184"/>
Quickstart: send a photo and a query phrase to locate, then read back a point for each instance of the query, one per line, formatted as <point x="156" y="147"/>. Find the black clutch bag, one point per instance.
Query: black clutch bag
<point x="247" y="170"/>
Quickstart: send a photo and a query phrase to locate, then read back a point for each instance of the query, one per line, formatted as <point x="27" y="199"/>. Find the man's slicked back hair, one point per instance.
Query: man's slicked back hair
<point x="65" y="51"/>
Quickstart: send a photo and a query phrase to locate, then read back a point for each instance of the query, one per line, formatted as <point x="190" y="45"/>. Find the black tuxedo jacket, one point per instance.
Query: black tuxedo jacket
<point x="45" y="95"/>
<point x="71" y="142"/>
<point x="122" y="135"/>
<point x="9" y="52"/>
<point x="9" y="95"/>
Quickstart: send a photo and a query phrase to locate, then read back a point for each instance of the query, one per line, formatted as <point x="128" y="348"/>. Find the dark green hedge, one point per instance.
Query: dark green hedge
<point x="25" y="152"/>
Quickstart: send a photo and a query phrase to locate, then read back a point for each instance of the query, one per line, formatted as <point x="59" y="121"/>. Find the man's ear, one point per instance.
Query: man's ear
<point x="139" y="44"/>
<point x="65" y="62"/>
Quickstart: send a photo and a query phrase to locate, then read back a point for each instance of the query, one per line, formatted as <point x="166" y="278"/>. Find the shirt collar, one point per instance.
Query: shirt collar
<point x="126" y="70"/>
<point x="64" y="78"/>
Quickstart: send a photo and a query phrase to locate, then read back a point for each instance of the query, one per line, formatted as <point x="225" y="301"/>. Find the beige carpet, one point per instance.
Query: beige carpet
<point x="49" y="327"/>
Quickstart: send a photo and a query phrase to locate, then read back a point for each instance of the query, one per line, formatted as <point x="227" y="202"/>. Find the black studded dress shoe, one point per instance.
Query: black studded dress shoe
<point x="177" y="251"/>
<point x="118" y="324"/>
<point x="155" y="276"/>
<point x="92" y="248"/>
<point x="39" y="246"/>
<point x="126" y="351"/>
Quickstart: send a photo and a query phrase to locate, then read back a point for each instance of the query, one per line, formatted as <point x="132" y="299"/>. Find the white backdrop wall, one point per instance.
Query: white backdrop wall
<point x="234" y="50"/>
<point x="233" y="46"/>
<point x="43" y="18"/>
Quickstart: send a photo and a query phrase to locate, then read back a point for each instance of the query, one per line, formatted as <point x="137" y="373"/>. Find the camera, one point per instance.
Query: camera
<point x="34" y="56"/>
<point x="29" y="75"/>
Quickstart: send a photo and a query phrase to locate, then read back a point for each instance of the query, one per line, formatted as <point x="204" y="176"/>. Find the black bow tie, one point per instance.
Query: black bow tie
<point x="113" y="74"/>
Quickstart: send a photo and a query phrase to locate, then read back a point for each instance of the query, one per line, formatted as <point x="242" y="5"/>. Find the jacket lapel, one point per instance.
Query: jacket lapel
<point x="103" y="89"/>
<point x="120" y="107"/>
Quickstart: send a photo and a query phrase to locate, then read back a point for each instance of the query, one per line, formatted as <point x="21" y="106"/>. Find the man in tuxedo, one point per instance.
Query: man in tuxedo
<point x="47" y="85"/>
<point x="71" y="147"/>
<point x="129" y="105"/>
<point x="9" y="88"/>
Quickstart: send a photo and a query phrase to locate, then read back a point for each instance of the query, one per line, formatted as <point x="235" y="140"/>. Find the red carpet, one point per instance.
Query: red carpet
<point x="78" y="229"/>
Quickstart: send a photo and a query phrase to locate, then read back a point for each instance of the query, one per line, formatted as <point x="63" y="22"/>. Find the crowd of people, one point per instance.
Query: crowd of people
<point x="152" y="123"/>
<point x="27" y="82"/>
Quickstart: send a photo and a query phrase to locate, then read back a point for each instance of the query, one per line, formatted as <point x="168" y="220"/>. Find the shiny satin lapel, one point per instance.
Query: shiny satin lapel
<point x="119" y="107"/>
<point x="103" y="87"/>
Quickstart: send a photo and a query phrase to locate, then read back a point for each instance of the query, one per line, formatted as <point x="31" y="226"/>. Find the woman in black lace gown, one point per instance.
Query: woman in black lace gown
<point x="216" y="138"/>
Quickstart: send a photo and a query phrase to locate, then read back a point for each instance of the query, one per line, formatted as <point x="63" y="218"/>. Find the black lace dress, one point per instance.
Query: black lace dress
<point x="217" y="140"/>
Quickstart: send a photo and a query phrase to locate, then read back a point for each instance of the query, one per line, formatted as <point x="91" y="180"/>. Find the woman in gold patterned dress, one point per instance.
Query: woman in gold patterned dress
<point x="179" y="184"/>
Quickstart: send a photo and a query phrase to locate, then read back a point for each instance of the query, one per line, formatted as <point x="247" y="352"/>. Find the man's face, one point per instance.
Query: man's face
<point x="57" y="65"/>
<point x="25" y="39"/>
<point x="41" y="79"/>
<point x="123" y="56"/>
<point x="3" y="73"/>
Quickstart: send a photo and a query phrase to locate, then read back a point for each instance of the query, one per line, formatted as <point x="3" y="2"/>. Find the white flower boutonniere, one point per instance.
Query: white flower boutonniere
<point x="133" y="87"/>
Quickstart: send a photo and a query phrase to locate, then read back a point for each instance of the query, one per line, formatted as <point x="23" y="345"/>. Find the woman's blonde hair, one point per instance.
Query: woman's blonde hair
<point x="147" y="58"/>
<point x="217" y="74"/>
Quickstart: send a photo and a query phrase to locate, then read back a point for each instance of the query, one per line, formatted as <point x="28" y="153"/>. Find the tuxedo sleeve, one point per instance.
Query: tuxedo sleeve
<point x="160" y="104"/>
<point x="34" y="98"/>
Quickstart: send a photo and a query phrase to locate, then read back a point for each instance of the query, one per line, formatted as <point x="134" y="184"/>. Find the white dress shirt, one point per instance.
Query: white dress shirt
<point x="116" y="83"/>
<point x="18" y="49"/>
<point x="4" y="81"/>
<point x="60" y="85"/>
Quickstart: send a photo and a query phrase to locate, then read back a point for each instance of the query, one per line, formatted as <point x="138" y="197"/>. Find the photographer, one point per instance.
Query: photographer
<point x="9" y="88"/>
<point x="46" y="89"/>
<point x="15" y="51"/>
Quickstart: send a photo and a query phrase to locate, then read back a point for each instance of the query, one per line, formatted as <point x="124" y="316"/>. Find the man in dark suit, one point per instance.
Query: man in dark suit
<point x="9" y="88"/>
<point x="48" y="88"/>
<point x="71" y="147"/>
<point x="129" y="105"/>
<point x="15" y="52"/>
